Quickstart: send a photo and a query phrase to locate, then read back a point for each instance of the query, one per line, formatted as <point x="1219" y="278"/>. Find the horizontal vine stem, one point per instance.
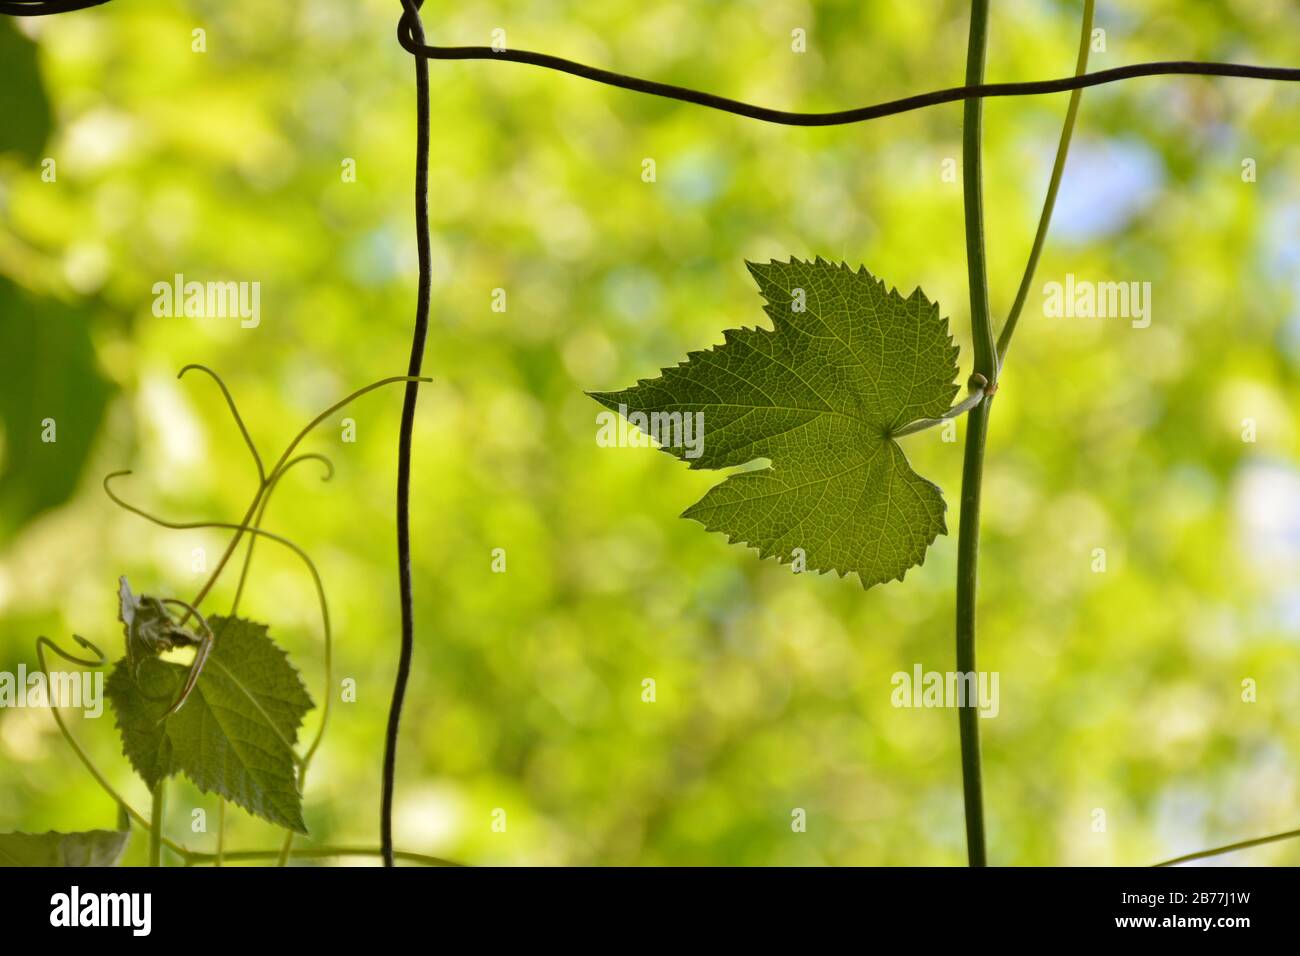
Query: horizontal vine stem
<point x="406" y="35"/>
<point x="859" y="114"/>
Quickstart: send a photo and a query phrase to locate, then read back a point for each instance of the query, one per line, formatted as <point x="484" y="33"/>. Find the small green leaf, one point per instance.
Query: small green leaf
<point x="91" y="848"/>
<point x="235" y="734"/>
<point x="820" y="396"/>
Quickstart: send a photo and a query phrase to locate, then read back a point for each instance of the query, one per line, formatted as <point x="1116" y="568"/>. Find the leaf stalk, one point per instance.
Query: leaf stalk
<point x="977" y="388"/>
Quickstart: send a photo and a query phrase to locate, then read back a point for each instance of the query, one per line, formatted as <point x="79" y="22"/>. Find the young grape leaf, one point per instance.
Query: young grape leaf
<point x="91" y="848"/>
<point x="819" y="395"/>
<point x="149" y="627"/>
<point x="236" y="733"/>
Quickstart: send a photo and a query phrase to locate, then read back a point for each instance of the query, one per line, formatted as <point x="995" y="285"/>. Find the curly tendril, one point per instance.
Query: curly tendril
<point x="251" y="525"/>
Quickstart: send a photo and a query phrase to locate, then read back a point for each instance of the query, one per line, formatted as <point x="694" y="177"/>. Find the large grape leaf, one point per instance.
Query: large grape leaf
<point x="91" y="848"/>
<point x="235" y="734"/>
<point x="819" y="395"/>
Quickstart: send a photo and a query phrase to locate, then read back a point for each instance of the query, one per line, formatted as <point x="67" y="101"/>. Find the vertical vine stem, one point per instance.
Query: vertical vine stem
<point x="156" y="813"/>
<point x="411" y="13"/>
<point x="986" y="364"/>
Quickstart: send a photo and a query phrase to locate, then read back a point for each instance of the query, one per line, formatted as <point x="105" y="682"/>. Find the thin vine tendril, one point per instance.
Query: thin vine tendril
<point x="1053" y="185"/>
<point x="280" y="463"/>
<point x="261" y="513"/>
<point x="200" y="655"/>
<point x="234" y="412"/>
<point x="251" y="525"/>
<point x="1230" y="847"/>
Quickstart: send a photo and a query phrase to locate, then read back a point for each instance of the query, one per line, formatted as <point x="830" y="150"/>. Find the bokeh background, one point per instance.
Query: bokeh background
<point x="1120" y="691"/>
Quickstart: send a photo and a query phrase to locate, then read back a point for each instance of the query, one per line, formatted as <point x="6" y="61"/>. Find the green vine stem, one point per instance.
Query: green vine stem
<point x="984" y="383"/>
<point x="1053" y="185"/>
<point x="156" y="813"/>
<point x="986" y="364"/>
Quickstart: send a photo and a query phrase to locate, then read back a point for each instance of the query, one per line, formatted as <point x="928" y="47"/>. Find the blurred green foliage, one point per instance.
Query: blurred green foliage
<point x="51" y="405"/>
<point x="1121" y="690"/>
<point x="23" y="100"/>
